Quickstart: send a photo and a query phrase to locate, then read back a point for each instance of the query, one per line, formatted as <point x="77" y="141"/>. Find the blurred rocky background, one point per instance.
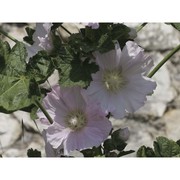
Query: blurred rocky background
<point x="159" y="116"/>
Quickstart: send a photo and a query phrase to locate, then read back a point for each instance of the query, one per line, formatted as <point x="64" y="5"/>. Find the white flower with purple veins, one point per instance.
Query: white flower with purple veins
<point x="42" y="39"/>
<point x="77" y="123"/>
<point x="121" y="84"/>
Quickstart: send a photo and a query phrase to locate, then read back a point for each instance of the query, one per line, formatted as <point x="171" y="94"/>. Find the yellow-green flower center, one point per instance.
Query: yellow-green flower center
<point x="76" y="120"/>
<point x="113" y="80"/>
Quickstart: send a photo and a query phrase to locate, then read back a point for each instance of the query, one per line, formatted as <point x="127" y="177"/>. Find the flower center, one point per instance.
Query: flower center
<point x="76" y="120"/>
<point x="113" y="80"/>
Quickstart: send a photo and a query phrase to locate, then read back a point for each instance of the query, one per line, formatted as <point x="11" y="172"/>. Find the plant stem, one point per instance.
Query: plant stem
<point x="7" y="35"/>
<point x="166" y="58"/>
<point x="65" y="29"/>
<point x="44" y="111"/>
<point x="140" y="27"/>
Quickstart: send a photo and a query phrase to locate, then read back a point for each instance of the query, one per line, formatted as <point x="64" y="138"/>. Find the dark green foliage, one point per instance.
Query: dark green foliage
<point x="163" y="147"/>
<point x="29" y="37"/>
<point x="73" y="70"/>
<point x="108" y="145"/>
<point x="101" y="39"/>
<point x="17" y="88"/>
<point x="40" y="67"/>
<point x="33" y="153"/>
<point x="93" y="152"/>
<point x="144" y="151"/>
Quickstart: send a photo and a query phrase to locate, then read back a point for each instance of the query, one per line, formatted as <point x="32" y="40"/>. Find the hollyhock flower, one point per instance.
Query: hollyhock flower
<point x="92" y="25"/>
<point x="49" y="150"/>
<point x="121" y="84"/>
<point x="42" y="39"/>
<point x="77" y="123"/>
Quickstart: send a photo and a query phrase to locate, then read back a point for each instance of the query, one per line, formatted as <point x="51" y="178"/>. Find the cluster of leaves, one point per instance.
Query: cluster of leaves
<point x="102" y="39"/>
<point x="112" y="147"/>
<point x="20" y="80"/>
<point x="74" y="60"/>
<point x="33" y="153"/>
<point x="163" y="147"/>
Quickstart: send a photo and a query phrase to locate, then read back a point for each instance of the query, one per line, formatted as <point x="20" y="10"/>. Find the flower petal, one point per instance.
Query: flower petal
<point x="108" y="60"/>
<point x="73" y="98"/>
<point x="56" y="134"/>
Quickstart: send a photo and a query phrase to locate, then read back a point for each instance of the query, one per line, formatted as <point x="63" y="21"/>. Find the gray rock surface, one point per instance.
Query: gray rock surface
<point x="28" y="123"/>
<point x="158" y="36"/>
<point x="10" y="130"/>
<point x="172" y="124"/>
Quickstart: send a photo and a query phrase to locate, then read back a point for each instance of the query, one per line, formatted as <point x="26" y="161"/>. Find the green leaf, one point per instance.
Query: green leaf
<point x="29" y="37"/>
<point x="118" y="141"/>
<point x="33" y="153"/>
<point x="141" y="152"/>
<point x="15" y="61"/>
<point x="178" y="142"/>
<point x="14" y="92"/>
<point x="40" y="67"/>
<point x="101" y="39"/>
<point x="157" y="150"/>
<point x="4" y="53"/>
<point x="17" y="89"/>
<point x="163" y="147"/>
<point x="108" y="145"/>
<point x="120" y="32"/>
<point x="74" y="71"/>
<point x="144" y="151"/>
<point x="87" y="153"/>
<point x="168" y="148"/>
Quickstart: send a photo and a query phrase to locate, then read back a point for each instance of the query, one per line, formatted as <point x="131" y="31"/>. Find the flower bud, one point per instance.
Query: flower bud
<point x="122" y="134"/>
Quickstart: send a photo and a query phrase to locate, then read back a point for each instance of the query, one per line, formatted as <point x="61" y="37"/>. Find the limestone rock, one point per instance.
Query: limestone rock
<point x="15" y="32"/>
<point x="27" y="121"/>
<point x="158" y="36"/>
<point x="28" y="141"/>
<point x="10" y="130"/>
<point x="172" y="124"/>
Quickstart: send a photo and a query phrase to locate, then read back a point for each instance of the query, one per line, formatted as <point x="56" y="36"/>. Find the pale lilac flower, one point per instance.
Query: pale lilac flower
<point x="92" y="25"/>
<point x="49" y="150"/>
<point x="121" y="84"/>
<point x="77" y="123"/>
<point x="42" y="39"/>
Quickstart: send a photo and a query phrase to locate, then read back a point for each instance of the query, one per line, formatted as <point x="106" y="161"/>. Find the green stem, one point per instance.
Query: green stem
<point x="65" y="29"/>
<point x="140" y="27"/>
<point x="166" y="58"/>
<point x="44" y="111"/>
<point x="7" y="35"/>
